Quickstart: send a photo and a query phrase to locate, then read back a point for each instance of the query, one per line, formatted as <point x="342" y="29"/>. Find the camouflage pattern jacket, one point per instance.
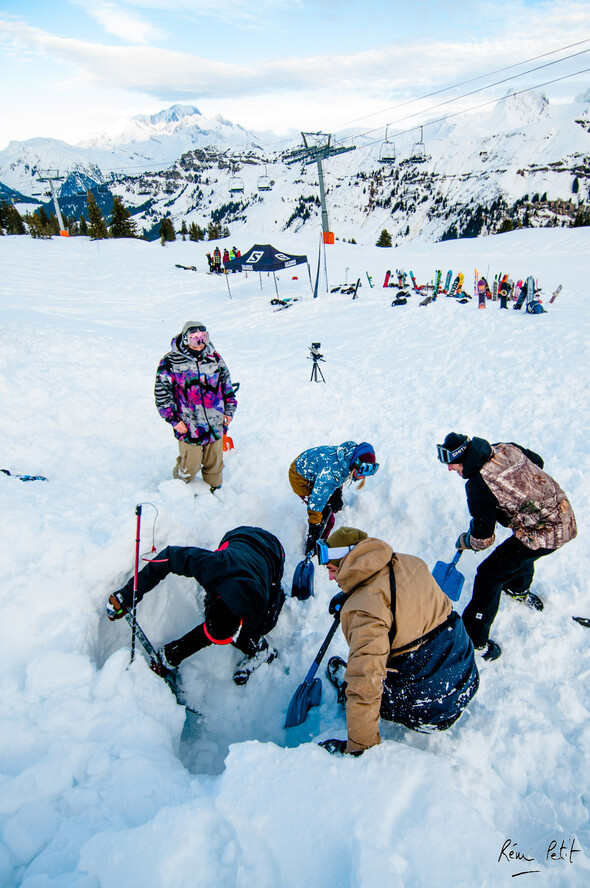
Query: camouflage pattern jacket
<point x="511" y="488"/>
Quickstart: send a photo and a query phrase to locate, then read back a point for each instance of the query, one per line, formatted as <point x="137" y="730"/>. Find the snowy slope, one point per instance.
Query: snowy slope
<point x="97" y="787"/>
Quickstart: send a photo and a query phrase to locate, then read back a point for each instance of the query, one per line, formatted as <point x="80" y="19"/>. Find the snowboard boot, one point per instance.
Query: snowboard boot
<point x="527" y="597"/>
<point x="264" y="653"/>
<point x="114" y="608"/>
<point x="491" y="650"/>
<point x="335" y="671"/>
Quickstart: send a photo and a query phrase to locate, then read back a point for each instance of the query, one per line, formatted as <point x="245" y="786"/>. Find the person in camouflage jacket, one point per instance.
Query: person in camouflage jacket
<point x="194" y="393"/>
<point x="505" y="483"/>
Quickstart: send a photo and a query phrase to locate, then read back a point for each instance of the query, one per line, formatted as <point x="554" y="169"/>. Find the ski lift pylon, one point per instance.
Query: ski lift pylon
<point x="387" y="151"/>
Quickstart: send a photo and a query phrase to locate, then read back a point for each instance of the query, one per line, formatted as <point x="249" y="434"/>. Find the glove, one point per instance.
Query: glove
<point x="313" y="535"/>
<point x="338" y="747"/>
<point x="463" y="542"/>
<point x="335" y="502"/>
<point x="337" y="602"/>
<point x="114" y="608"/>
<point x="334" y="747"/>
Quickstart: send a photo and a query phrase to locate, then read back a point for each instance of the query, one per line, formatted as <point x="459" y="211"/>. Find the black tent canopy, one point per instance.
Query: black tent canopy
<point x="264" y="257"/>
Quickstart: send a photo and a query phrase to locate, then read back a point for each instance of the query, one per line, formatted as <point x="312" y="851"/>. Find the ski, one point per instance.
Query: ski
<point x="284" y="303"/>
<point x="171" y="678"/>
<point x="370" y="279"/>
<point x="24" y="477"/>
<point x="555" y="294"/>
<point x="356" y="288"/>
<point x="417" y="287"/>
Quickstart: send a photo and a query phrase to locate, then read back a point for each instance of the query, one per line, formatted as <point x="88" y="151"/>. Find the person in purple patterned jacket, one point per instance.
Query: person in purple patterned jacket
<point x="194" y="393"/>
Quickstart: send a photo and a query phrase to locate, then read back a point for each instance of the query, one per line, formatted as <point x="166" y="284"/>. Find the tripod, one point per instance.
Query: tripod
<point x="316" y="369"/>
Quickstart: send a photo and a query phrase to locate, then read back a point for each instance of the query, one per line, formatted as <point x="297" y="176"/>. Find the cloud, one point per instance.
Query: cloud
<point x="223" y="10"/>
<point x="120" y="22"/>
<point x="385" y="75"/>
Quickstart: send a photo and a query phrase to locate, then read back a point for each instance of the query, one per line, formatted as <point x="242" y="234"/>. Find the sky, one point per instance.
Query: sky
<point x="75" y="69"/>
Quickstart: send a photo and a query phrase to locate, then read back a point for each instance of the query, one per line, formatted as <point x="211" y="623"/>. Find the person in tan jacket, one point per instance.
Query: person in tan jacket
<point x="505" y="484"/>
<point x="410" y="659"/>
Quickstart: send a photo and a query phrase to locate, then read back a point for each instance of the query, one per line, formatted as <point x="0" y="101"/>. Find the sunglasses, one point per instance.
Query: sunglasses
<point x="447" y="456"/>
<point x="365" y="469"/>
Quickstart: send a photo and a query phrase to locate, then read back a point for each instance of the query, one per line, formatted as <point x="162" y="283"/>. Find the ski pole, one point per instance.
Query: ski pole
<point x="134" y="608"/>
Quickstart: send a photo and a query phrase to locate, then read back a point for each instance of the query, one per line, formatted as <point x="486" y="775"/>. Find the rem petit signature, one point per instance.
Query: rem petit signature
<point x="528" y="861"/>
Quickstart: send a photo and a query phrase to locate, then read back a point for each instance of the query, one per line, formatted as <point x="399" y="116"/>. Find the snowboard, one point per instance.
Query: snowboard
<point x="482" y="286"/>
<point x="187" y="267"/>
<point x="387" y="276"/>
<point x="457" y="285"/>
<point x="370" y="279"/>
<point x="555" y="294"/>
<point x="448" y="282"/>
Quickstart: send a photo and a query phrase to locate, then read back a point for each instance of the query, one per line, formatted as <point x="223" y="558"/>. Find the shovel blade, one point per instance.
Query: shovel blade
<point x="228" y="444"/>
<point x="302" y="587"/>
<point x="308" y="694"/>
<point x="449" y="579"/>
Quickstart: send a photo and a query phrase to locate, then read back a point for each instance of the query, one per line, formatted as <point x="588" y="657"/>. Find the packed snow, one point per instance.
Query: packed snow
<point x="102" y="782"/>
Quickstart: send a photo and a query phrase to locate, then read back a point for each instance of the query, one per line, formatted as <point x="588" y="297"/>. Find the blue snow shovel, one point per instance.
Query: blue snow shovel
<point x="302" y="586"/>
<point x="449" y="578"/>
<point x="309" y="692"/>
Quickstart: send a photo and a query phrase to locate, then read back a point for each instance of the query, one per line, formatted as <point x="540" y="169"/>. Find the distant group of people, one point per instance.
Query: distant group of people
<point x="411" y="656"/>
<point x="218" y="262"/>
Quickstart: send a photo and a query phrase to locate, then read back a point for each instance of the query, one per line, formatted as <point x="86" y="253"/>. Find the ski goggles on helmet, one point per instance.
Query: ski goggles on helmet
<point x="365" y="469"/>
<point x="325" y="554"/>
<point x="198" y="334"/>
<point x="447" y="456"/>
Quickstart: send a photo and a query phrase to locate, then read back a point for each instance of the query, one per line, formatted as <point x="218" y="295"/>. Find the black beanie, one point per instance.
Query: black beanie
<point x="457" y="441"/>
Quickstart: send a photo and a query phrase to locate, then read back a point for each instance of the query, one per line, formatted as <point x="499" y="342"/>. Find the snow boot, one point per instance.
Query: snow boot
<point x="491" y="650"/>
<point x="264" y="653"/>
<point x="162" y="666"/>
<point x="335" y="671"/>
<point x="527" y="597"/>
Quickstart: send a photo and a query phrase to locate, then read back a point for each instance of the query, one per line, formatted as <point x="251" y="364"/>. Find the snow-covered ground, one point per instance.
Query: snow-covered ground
<point x="97" y="787"/>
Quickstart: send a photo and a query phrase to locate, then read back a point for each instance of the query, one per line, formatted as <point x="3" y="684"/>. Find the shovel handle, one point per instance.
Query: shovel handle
<point x="325" y="645"/>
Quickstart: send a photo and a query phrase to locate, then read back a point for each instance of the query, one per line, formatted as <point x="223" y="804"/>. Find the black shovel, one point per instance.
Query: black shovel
<point x="449" y="578"/>
<point x="302" y="586"/>
<point x="309" y="692"/>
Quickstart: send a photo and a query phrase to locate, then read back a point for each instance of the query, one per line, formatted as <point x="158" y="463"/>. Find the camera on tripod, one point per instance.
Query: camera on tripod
<point x="316" y="356"/>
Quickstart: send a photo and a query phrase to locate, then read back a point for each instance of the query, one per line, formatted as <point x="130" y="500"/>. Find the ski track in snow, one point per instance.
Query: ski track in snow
<point x="96" y="788"/>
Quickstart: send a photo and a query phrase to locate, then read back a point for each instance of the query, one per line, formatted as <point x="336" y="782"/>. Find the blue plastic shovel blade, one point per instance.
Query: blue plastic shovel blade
<point x="449" y="578"/>
<point x="302" y="587"/>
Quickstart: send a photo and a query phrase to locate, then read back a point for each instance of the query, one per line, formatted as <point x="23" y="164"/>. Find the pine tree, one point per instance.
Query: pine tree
<point x="83" y="227"/>
<point x="167" y="232"/>
<point x="213" y="231"/>
<point x="195" y="232"/>
<point x="11" y="220"/>
<point x="384" y="239"/>
<point x="122" y="225"/>
<point x="97" y="227"/>
<point x="183" y="230"/>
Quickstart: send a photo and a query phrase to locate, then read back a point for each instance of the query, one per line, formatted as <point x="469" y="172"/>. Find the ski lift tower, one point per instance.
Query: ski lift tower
<point x="52" y="176"/>
<point x="316" y="148"/>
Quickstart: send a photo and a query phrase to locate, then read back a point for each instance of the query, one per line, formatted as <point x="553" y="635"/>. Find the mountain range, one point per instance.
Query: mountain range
<point x="524" y="162"/>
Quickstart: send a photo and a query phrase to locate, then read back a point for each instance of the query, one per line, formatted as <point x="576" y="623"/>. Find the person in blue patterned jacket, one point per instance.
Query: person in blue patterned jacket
<point x="194" y="393"/>
<point x="317" y="476"/>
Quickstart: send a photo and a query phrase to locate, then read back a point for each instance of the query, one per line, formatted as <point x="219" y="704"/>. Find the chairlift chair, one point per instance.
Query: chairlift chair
<point x="236" y="185"/>
<point x="265" y="183"/>
<point x="418" y="154"/>
<point x="387" y="151"/>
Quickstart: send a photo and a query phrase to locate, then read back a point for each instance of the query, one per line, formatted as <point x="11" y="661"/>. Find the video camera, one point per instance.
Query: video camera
<point x="316" y="355"/>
